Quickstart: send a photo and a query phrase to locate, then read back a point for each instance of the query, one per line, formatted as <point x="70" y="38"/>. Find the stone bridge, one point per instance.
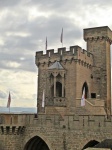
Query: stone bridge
<point x="52" y="132"/>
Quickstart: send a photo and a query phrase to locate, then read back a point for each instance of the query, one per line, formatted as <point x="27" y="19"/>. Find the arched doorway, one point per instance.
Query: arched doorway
<point x="86" y="89"/>
<point x="36" y="143"/>
<point x="91" y="143"/>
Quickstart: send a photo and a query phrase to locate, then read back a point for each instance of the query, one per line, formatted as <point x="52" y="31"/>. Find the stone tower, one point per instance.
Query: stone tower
<point x="63" y="75"/>
<point x="98" y="43"/>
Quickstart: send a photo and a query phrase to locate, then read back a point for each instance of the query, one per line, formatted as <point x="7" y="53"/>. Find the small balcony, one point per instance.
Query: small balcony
<point x="56" y="101"/>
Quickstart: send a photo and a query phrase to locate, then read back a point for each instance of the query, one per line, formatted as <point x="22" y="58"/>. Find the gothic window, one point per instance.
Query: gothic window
<point x="51" y="78"/>
<point x="52" y="91"/>
<point x="86" y="89"/>
<point x="58" y="89"/>
<point x="58" y="77"/>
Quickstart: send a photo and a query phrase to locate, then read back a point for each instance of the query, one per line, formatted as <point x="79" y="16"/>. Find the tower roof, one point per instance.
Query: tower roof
<point x="56" y="65"/>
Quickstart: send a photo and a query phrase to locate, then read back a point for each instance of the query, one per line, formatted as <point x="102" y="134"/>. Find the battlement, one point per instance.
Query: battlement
<point x="75" y="52"/>
<point x="98" y="33"/>
<point x="75" y="122"/>
<point x="14" y="119"/>
<point x="68" y="122"/>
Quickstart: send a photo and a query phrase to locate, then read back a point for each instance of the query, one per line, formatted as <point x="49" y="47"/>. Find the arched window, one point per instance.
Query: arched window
<point x="58" y="89"/>
<point x="52" y="91"/>
<point x="86" y="89"/>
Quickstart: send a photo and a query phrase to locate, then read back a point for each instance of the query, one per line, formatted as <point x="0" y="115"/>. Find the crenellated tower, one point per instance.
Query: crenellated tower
<point x="98" y="41"/>
<point x="63" y="75"/>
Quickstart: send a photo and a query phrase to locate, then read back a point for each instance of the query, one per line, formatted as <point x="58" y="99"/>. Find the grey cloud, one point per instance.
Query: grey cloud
<point x="98" y="3"/>
<point x="9" y="3"/>
<point x="37" y="29"/>
<point x="3" y="94"/>
<point x="27" y="64"/>
<point x="69" y="5"/>
<point x="52" y="27"/>
<point x="47" y="4"/>
<point x="72" y="15"/>
<point x="17" y="46"/>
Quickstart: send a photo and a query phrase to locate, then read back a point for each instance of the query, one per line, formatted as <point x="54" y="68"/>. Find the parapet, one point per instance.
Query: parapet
<point x="98" y="33"/>
<point x="94" y="122"/>
<point x="74" y="52"/>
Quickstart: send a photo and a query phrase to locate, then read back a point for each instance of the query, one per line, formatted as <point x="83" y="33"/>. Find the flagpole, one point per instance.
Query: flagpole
<point x="46" y="44"/>
<point x="9" y="101"/>
<point x="9" y="109"/>
<point x="61" y="39"/>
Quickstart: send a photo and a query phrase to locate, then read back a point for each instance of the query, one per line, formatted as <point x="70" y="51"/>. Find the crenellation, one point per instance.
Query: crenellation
<point x="39" y="53"/>
<point x="74" y="53"/>
<point x="66" y="76"/>
<point x="61" y="50"/>
<point x="51" y="51"/>
<point x="71" y="123"/>
<point x="82" y="121"/>
<point x="97" y="33"/>
<point x="74" y="49"/>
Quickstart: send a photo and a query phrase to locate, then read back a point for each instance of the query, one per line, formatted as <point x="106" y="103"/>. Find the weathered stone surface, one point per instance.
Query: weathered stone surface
<point x="63" y="124"/>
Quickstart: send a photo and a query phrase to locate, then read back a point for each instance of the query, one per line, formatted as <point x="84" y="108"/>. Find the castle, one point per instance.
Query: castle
<point x="62" y="123"/>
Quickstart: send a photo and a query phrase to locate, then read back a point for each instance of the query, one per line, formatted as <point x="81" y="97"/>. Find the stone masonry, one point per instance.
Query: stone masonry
<point x="63" y="76"/>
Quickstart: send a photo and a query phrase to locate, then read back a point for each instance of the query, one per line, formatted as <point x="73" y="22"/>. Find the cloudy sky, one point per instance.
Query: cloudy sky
<point x="24" y="25"/>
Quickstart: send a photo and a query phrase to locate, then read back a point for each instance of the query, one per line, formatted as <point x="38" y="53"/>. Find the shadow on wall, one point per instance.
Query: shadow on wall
<point x="36" y="143"/>
<point x="91" y="143"/>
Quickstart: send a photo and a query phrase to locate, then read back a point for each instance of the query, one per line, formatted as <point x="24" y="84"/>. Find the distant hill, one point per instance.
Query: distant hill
<point x="18" y="110"/>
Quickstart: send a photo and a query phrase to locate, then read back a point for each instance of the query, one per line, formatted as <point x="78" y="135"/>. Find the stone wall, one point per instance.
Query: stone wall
<point x="69" y="133"/>
<point x="97" y="149"/>
<point x="98" y="41"/>
<point x="77" y="64"/>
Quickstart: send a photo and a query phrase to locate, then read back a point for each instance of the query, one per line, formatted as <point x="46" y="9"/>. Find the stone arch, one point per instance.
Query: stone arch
<point x="91" y="143"/>
<point x="45" y="139"/>
<point x="86" y="89"/>
<point x="35" y="143"/>
<point x="58" y="77"/>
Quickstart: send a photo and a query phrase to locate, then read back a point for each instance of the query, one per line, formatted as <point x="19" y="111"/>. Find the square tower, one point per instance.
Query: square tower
<point x="98" y="41"/>
<point x="62" y="76"/>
